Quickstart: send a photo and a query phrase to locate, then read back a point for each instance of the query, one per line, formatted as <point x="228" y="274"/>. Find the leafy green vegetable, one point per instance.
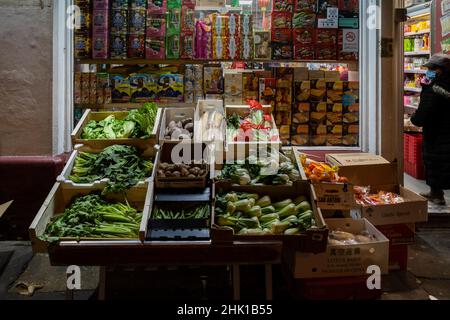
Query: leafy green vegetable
<point x="91" y="216"/>
<point x="195" y="212"/>
<point x="119" y="163"/>
<point x="137" y="124"/>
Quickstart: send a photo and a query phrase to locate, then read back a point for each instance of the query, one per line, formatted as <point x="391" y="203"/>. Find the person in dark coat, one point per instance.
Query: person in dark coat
<point x="433" y="115"/>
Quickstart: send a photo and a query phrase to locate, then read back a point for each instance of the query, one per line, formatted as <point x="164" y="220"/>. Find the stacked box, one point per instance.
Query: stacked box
<point x="193" y="83"/>
<point x="77" y="87"/>
<point x="326" y="44"/>
<point x="246" y="37"/>
<point x="187" y="30"/>
<point x="203" y="39"/>
<point x="155" y="30"/>
<point x="267" y="91"/>
<point x="92" y="88"/>
<point x="304" y="44"/>
<point x="283" y="6"/>
<point x="102" y="86"/>
<point x="85" y="87"/>
<point x="82" y="35"/>
<point x="171" y="87"/>
<point x="138" y="90"/>
<point x="137" y="28"/>
<point x="119" y="29"/>
<point x="262" y="41"/>
<point x="100" y="27"/>
<point x="120" y="86"/>
<point x="213" y="80"/>
<point x="350" y="105"/>
<point x="250" y="88"/>
<point x="233" y="88"/>
<point x="173" y="29"/>
<point x="282" y="44"/>
<point x="156" y="7"/>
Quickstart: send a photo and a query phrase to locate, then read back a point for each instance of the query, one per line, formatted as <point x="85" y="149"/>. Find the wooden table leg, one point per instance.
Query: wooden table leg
<point x="102" y="284"/>
<point x="269" y="282"/>
<point x="236" y="282"/>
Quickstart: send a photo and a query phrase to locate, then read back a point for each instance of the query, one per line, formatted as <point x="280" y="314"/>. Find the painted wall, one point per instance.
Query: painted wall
<point x="26" y="77"/>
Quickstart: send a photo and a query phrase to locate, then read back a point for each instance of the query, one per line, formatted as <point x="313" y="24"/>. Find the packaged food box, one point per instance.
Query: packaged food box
<point x="156" y="7"/>
<point x="155" y="48"/>
<point x="267" y="91"/>
<point x="283" y="5"/>
<point x="304" y="19"/>
<point x="156" y="26"/>
<point x="247" y="47"/>
<point x="318" y="140"/>
<point x="281" y="51"/>
<point x="219" y="24"/>
<point x="326" y="37"/>
<point x="350" y="98"/>
<point x="187" y="45"/>
<point x="281" y="20"/>
<point x="77" y="88"/>
<point x="351" y="117"/>
<point x="281" y="35"/>
<point x="305" y="6"/>
<point x="173" y="4"/>
<point x="101" y="5"/>
<point x="172" y="46"/>
<point x="301" y="118"/>
<point x="138" y="90"/>
<point x="85" y="18"/>
<point x="283" y="118"/>
<point x="335" y="91"/>
<point x="304" y="36"/>
<point x="285" y="134"/>
<point x="318" y="91"/>
<point x="173" y="22"/>
<point x="319" y="118"/>
<point x="100" y="21"/>
<point x="188" y="18"/>
<point x="262" y="40"/>
<point x="100" y="45"/>
<point x="102" y="84"/>
<point x="304" y="52"/>
<point x="219" y="45"/>
<point x="119" y="21"/>
<point x="246" y="24"/>
<point x="302" y="91"/>
<point x="335" y="118"/>
<point x="250" y="84"/>
<point x="323" y="5"/>
<point x="136" y="46"/>
<point x="121" y="90"/>
<point x="284" y="95"/>
<point x="171" y="87"/>
<point x="82" y="45"/>
<point x="213" y="80"/>
<point x="233" y="88"/>
<point x="233" y="47"/>
<point x="119" y="4"/>
<point x="233" y="26"/>
<point x="326" y="53"/>
<point x="138" y="4"/>
<point x="137" y="19"/>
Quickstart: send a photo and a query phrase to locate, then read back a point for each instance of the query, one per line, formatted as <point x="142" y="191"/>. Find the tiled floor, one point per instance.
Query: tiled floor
<point x="420" y="186"/>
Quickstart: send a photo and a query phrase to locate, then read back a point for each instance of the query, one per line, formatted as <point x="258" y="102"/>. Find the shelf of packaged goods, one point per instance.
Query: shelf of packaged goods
<point x="418" y="71"/>
<point x="411" y="34"/>
<point x="410" y="106"/>
<point x="419" y="10"/>
<point x="184" y="61"/>
<point x="418" y="53"/>
<point x="418" y="90"/>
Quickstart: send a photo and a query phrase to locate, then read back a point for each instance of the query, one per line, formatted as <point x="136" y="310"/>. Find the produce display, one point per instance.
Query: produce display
<point x="267" y="171"/>
<point x="365" y="198"/>
<point x="169" y="170"/>
<point x="179" y="130"/>
<point x="250" y="214"/>
<point x="138" y="124"/>
<point x="256" y="126"/>
<point x="342" y="238"/>
<point x="188" y="212"/>
<point x="93" y="217"/>
<point x="121" y="165"/>
<point x="318" y="172"/>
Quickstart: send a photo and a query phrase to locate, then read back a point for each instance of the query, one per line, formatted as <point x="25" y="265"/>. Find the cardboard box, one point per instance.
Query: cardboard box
<point x="330" y="196"/>
<point x="399" y="234"/>
<point x="346" y="260"/>
<point x="267" y="91"/>
<point x="380" y="175"/>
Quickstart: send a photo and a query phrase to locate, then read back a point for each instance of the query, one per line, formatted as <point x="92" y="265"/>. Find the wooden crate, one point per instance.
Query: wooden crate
<point x="217" y="134"/>
<point x="175" y="114"/>
<point x="60" y="197"/>
<point x="183" y="183"/>
<point x="102" y="143"/>
<point x="64" y="177"/>
<point x="313" y="240"/>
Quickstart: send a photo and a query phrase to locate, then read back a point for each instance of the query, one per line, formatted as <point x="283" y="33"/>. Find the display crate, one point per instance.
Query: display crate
<point x="175" y="114"/>
<point x="97" y="144"/>
<point x="313" y="240"/>
<point x="60" y="197"/>
<point x="64" y="177"/>
<point x="414" y="165"/>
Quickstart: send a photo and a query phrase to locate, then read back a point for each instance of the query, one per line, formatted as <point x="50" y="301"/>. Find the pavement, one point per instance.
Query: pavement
<point x="427" y="277"/>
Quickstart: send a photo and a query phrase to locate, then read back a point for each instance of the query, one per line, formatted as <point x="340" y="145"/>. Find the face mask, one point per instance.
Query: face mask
<point x="431" y="74"/>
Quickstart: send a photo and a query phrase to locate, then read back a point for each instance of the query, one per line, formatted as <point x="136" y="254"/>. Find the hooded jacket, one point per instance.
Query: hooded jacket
<point x="433" y="115"/>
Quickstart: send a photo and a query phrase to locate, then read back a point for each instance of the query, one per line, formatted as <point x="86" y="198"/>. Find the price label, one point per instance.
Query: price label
<point x="328" y="23"/>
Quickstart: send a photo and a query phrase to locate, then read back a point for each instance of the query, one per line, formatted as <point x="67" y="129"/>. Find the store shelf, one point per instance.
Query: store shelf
<point x="419" y="71"/>
<point x="184" y="61"/>
<point x="413" y="89"/>
<point x="410" y="34"/>
<point x="418" y="53"/>
<point x="419" y="10"/>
